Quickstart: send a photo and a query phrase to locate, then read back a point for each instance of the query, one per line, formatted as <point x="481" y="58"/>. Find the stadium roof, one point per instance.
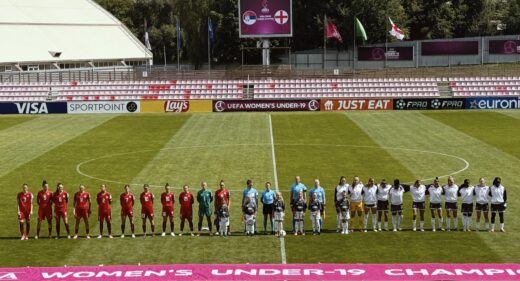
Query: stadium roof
<point x="32" y="30"/>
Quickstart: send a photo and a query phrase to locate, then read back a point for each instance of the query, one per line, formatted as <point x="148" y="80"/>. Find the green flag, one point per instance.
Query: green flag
<point x="360" y="30"/>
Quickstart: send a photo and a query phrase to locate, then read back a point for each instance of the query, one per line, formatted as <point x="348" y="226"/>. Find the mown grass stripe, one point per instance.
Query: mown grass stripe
<point x="13" y="120"/>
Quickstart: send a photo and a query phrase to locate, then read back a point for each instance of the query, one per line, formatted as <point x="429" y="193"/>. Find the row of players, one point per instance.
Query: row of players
<point x="350" y="201"/>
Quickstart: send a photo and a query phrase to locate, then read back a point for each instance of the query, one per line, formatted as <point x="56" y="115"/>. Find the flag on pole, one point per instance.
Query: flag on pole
<point x="178" y="27"/>
<point x="146" y="37"/>
<point x="211" y="33"/>
<point x="360" y="30"/>
<point x="332" y="31"/>
<point x="395" y="31"/>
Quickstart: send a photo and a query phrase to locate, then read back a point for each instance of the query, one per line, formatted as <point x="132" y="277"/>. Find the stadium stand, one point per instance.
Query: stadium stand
<point x="485" y="86"/>
<point x="220" y="89"/>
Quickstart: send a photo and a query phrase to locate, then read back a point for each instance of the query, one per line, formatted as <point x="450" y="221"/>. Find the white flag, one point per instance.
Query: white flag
<point x="395" y="31"/>
<point x="147" y="41"/>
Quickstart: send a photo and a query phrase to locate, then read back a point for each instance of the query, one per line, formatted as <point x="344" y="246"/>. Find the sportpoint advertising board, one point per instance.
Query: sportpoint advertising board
<point x="268" y="272"/>
<point x="176" y="106"/>
<point x="33" y="108"/>
<point x="265" y="18"/>
<point x="80" y="107"/>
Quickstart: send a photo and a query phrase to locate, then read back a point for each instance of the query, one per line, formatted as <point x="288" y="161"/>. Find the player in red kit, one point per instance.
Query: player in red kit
<point x="44" y="201"/>
<point x="147" y="208"/>
<point x="127" y="200"/>
<point x="167" y="200"/>
<point x="104" y="199"/>
<point x="186" y="201"/>
<point x="221" y="197"/>
<point x="60" y="198"/>
<point x="82" y="210"/>
<point x="24" y="200"/>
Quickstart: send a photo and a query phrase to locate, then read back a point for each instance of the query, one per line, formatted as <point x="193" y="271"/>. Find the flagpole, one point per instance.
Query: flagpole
<point x="386" y="40"/>
<point x="324" y="40"/>
<point x="209" y="52"/>
<point x="354" y="50"/>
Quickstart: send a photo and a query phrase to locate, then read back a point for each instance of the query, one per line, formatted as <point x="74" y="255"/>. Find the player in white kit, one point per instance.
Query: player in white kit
<point x="498" y="203"/>
<point x="436" y="191"/>
<point x="370" y="204"/>
<point x="466" y="192"/>
<point x="383" y="190"/>
<point x="338" y="196"/>
<point x="396" y="195"/>
<point x="482" y="205"/>
<point x="418" y="191"/>
<point x="451" y="191"/>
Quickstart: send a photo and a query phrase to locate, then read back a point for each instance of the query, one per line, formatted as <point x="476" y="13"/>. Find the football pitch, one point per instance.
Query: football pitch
<point x="188" y="148"/>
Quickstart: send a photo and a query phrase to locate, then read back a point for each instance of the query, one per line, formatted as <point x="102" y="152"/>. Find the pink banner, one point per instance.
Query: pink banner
<point x="268" y="272"/>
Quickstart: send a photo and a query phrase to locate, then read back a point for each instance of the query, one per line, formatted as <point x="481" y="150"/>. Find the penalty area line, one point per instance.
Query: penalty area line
<point x="282" y="239"/>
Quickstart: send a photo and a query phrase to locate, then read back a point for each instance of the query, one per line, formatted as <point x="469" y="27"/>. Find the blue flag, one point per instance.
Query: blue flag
<point x="179" y="39"/>
<point x="211" y="33"/>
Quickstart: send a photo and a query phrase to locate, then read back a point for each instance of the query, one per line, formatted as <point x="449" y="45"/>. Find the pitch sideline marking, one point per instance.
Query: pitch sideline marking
<point x="275" y="174"/>
<point x="78" y="166"/>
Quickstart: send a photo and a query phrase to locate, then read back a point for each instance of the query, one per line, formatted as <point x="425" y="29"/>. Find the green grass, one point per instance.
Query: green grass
<point x="190" y="148"/>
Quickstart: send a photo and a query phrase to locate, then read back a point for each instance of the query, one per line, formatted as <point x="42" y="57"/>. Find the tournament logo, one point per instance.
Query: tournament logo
<point x="131" y="106"/>
<point x="510" y="47"/>
<point x="249" y="17"/>
<point x="378" y="54"/>
<point x="314" y="105"/>
<point x="281" y="17"/>
<point x="220" y="106"/>
<point x="265" y="9"/>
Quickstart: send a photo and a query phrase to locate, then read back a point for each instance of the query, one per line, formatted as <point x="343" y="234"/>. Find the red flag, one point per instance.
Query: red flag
<point x="332" y="32"/>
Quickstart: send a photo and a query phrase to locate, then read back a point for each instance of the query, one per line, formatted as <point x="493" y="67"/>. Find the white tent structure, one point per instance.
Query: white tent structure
<point x="61" y="34"/>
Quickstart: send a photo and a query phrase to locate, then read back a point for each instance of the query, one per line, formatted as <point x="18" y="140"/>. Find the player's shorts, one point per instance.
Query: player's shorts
<point x="127" y="213"/>
<point x="418" y="205"/>
<point x="44" y="213"/>
<point x="60" y="214"/>
<point x="344" y="216"/>
<point x="466" y="208"/>
<point x="498" y="208"/>
<point x="146" y="214"/>
<point x="267" y="209"/>
<point x="482" y="207"/>
<point x="24" y="215"/>
<point x="104" y="216"/>
<point x="370" y="206"/>
<point x="450" y="206"/>
<point x="356" y="206"/>
<point x="382" y="205"/>
<point x="186" y="214"/>
<point x="435" y="206"/>
<point x="81" y="214"/>
<point x="204" y="212"/>
<point x="167" y="212"/>
<point x="396" y="208"/>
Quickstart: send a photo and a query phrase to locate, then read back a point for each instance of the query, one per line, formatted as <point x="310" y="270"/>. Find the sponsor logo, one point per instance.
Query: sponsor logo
<point x="176" y="106"/>
<point x="357" y="104"/>
<point x="103" y="107"/>
<point x="429" y="104"/>
<point x="32" y="108"/>
<point x="492" y="103"/>
<point x="249" y="17"/>
<point x="266" y="105"/>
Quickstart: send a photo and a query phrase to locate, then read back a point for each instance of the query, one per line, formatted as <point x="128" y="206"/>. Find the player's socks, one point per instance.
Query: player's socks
<point x="477" y="226"/>
<point x="487" y="225"/>
<point x="502" y="227"/>
<point x="400" y="222"/>
<point x="492" y="227"/>
<point x="379" y="225"/>
<point x="456" y="223"/>
<point x="414" y="224"/>
<point x="421" y="225"/>
<point x="374" y="221"/>
<point x="433" y="223"/>
<point x="386" y="225"/>
<point x="365" y="221"/>
<point x="441" y="222"/>
<point x="448" y="224"/>
<point x="394" y="222"/>
<point x="22" y="232"/>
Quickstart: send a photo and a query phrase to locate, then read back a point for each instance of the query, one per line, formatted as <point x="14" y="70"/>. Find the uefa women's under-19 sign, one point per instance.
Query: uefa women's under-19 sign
<point x="265" y="18"/>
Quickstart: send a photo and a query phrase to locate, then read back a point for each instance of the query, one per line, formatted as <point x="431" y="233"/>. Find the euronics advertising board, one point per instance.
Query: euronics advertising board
<point x="265" y="18"/>
<point x="493" y="103"/>
<point x="33" y="108"/>
<point x="80" y="107"/>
